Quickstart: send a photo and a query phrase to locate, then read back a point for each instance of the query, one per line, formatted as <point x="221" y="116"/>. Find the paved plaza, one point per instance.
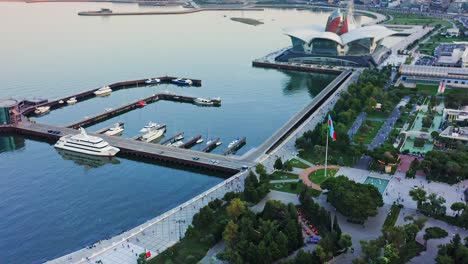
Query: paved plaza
<point x="398" y="188"/>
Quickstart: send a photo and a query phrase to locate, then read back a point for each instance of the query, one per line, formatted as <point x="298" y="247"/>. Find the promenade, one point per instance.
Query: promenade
<point x="155" y="235"/>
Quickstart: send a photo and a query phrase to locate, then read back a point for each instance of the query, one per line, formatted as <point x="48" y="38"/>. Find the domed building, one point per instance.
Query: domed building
<point x="339" y="42"/>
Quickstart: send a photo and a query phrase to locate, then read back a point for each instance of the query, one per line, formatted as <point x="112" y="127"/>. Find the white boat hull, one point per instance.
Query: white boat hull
<point x="103" y="93"/>
<point x="106" y="152"/>
<point x="152" y="136"/>
<point x="115" y="132"/>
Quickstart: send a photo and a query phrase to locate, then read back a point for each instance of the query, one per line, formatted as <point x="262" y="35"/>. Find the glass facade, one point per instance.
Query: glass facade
<point x="360" y="47"/>
<point x="4" y="115"/>
<point x="324" y="47"/>
<point x="297" y="44"/>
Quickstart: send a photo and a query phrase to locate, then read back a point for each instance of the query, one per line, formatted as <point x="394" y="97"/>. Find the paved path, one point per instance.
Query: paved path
<point x="304" y="176"/>
<point x="284" y="181"/>
<point x="387" y="127"/>
<point x="284" y="197"/>
<point x="356" y="125"/>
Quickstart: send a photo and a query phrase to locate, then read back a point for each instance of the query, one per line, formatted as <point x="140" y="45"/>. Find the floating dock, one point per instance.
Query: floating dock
<point x="191" y="142"/>
<point x="241" y="142"/>
<point x="211" y="146"/>
<point x="27" y="107"/>
<point x="171" y="139"/>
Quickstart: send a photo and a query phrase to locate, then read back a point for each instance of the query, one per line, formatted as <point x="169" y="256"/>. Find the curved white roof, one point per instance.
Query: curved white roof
<point x="309" y="33"/>
<point x="375" y="31"/>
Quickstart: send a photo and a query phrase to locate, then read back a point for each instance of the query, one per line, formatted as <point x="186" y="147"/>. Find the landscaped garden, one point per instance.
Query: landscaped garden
<point x="298" y="164"/>
<point x="282" y="175"/>
<point x="318" y="176"/>
<point x="368" y="131"/>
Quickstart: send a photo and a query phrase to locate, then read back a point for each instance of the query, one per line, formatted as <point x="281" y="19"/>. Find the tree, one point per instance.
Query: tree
<point x="235" y="208"/>
<point x="231" y="233"/>
<point x="336" y="226"/>
<point x="260" y="169"/>
<point x="345" y="241"/>
<point x="278" y="164"/>
<point x="282" y="242"/>
<point x="458" y="206"/>
<point x="355" y="200"/>
<point x="418" y="195"/>
<point x="391" y="253"/>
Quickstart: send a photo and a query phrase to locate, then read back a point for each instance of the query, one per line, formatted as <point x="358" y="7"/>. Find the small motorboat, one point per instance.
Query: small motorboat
<point x="182" y="81"/>
<point x="103" y="91"/>
<point x="219" y="143"/>
<point x="199" y="141"/>
<point x="153" y="81"/>
<point x="141" y="104"/>
<point x="61" y="102"/>
<point x="42" y="110"/>
<point x="72" y="100"/>
<point x="179" y="137"/>
<point x="233" y="143"/>
<point x="202" y="101"/>
<point x="115" y="130"/>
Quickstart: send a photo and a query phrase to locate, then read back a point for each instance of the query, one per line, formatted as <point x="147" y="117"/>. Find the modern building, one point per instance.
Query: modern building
<point x="340" y="42"/>
<point x="9" y="113"/>
<point x="454" y="77"/>
<point x="455" y="133"/>
<point x="456" y="114"/>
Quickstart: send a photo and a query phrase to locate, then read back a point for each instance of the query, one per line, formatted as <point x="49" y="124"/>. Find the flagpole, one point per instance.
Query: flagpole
<point x="326" y="150"/>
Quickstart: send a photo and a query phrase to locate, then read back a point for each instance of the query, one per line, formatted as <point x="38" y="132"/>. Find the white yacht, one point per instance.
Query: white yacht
<point x="42" y="110"/>
<point x="219" y="143"/>
<point x="72" y="100"/>
<point x="203" y="101"/>
<point x="153" y="134"/>
<point x="153" y="81"/>
<point x="86" y="144"/>
<point x="177" y="144"/>
<point x="115" y="130"/>
<point x="61" y="102"/>
<point x="200" y="140"/>
<point x="103" y="91"/>
<point x="233" y="143"/>
<point x="150" y="126"/>
<point x="182" y="81"/>
<point x="179" y="137"/>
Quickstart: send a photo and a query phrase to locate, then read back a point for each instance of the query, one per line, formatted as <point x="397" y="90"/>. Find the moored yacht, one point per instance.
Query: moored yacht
<point x="182" y="81"/>
<point x="103" y="91"/>
<point x="153" y="134"/>
<point x="233" y="143"/>
<point x="115" y="130"/>
<point x="153" y="81"/>
<point x="41" y="110"/>
<point x="152" y="125"/>
<point x="72" y="100"/>
<point x="84" y="143"/>
<point x="200" y="140"/>
<point x="202" y="101"/>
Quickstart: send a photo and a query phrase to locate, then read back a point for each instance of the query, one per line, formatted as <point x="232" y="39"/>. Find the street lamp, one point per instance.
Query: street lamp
<point x="180" y="231"/>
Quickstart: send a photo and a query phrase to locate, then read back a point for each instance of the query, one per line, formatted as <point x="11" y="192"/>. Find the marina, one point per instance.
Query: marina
<point x="136" y="189"/>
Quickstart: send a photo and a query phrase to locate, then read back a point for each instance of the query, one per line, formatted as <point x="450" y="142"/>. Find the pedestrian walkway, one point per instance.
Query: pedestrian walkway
<point x="356" y="125"/>
<point x="304" y="161"/>
<point x="304" y="176"/>
<point x="284" y="181"/>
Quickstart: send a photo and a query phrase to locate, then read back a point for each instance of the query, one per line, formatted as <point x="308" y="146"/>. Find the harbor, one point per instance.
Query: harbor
<point x="135" y="190"/>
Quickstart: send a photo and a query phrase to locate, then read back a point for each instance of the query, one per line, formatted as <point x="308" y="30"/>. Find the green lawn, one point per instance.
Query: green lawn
<point x="289" y="188"/>
<point x="367" y="137"/>
<point x="392" y="216"/>
<point x="298" y="164"/>
<point x="426" y="89"/>
<point x="410" y="19"/>
<point x="318" y="176"/>
<point x="282" y="175"/>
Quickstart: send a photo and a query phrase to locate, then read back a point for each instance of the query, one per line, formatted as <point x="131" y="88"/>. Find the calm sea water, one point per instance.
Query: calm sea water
<point x="52" y="202"/>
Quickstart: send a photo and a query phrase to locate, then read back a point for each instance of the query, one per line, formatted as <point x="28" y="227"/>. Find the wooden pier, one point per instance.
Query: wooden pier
<point x="211" y="146"/>
<point x="191" y="142"/>
<point x="235" y="147"/>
